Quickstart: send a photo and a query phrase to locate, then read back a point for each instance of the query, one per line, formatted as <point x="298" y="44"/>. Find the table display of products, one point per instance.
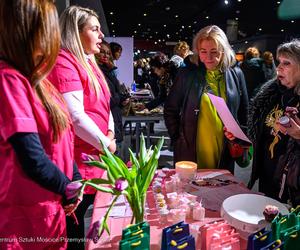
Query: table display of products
<point x="173" y="202"/>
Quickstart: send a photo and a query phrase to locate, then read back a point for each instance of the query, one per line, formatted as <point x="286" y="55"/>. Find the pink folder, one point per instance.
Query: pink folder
<point x="228" y="120"/>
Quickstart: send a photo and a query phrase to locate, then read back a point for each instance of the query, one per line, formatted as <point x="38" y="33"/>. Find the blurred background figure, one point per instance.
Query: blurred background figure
<point x="192" y="121"/>
<point x="268" y="65"/>
<point x="268" y="106"/>
<point x="165" y="70"/>
<point x="117" y="98"/>
<point x="181" y="51"/>
<point x="116" y="52"/>
<point x="252" y="68"/>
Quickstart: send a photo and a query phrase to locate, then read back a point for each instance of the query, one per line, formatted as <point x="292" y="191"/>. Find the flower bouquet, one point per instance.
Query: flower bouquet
<point x="130" y="181"/>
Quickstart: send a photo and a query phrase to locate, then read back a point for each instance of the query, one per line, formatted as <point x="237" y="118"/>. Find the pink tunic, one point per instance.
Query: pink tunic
<point x="68" y="75"/>
<point x="31" y="217"/>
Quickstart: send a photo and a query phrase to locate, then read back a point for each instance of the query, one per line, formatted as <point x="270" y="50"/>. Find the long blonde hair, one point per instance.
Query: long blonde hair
<point x="216" y="34"/>
<point x="72" y="22"/>
<point x="27" y="27"/>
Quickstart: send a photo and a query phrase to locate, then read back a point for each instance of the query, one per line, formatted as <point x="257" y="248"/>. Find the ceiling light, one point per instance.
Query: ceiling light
<point x="159" y="40"/>
<point x="182" y="26"/>
<point x="292" y="21"/>
<point x="168" y="36"/>
<point x="114" y="35"/>
<point x="236" y="18"/>
<point x="139" y="24"/>
<point x="239" y="0"/>
<point x="195" y="22"/>
<point x="190" y="26"/>
<point x="112" y="23"/>
<point x="156" y="32"/>
<point x="246" y="42"/>
<point x="167" y="8"/>
<point x="135" y="32"/>
<point x="226" y="2"/>
<point x="207" y="17"/>
<point x="282" y="30"/>
<point x="260" y="29"/>
<point x="148" y="29"/>
<point x="150" y="36"/>
<point x="165" y="25"/>
<point x="176" y="16"/>
<point x="113" y="31"/>
<point x="111" y="13"/>
<point x="278" y="2"/>
<point x="145" y="14"/>
<point x="155" y="42"/>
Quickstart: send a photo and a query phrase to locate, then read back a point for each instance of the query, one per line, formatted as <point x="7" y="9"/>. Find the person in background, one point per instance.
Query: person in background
<point x="117" y="99"/>
<point x="191" y="119"/>
<point x="252" y="68"/>
<point x="36" y="135"/>
<point x="181" y="51"/>
<point x="165" y="71"/>
<point x="268" y="106"/>
<point x="86" y="93"/>
<point x="268" y="65"/>
<point x="116" y="52"/>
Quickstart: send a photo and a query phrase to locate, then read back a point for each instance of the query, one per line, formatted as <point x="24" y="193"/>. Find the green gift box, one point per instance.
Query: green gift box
<point x="291" y="238"/>
<point x="140" y="241"/>
<point x="136" y="229"/>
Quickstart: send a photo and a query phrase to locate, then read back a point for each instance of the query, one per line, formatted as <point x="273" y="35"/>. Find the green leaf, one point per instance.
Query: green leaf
<point x="100" y="188"/>
<point x="112" y="161"/>
<point x="143" y="151"/>
<point x="97" y="164"/>
<point x="98" y="181"/>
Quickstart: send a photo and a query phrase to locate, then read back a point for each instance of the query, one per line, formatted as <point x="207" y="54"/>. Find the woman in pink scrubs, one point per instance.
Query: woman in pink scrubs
<point x="85" y="90"/>
<point x="36" y="149"/>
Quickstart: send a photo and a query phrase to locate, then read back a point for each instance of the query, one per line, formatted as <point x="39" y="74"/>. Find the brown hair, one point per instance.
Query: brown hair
<point x="33" y="27"/>
<point x="251" y="52"/>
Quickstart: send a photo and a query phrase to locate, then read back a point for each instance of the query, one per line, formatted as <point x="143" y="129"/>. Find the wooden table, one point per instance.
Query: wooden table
<point x="117" y="224"/>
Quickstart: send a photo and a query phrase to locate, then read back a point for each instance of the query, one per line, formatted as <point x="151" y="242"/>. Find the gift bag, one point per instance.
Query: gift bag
<point x="136" y="229"/>
<point x="275" y="245"/>
<point x="291" y="238"/>
<point x="175" y="232"/>
<point x="231" y="241"/>
<point x="209" y="229"/>
<point x="259" y="239"/>
<point x="138" y="242"/>
<point x="186" y="243"/>
<point x="282" y="223"/>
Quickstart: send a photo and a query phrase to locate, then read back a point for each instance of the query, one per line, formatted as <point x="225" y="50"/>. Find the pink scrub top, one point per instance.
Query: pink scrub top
<point x="31" y="217"/>
<point x="68" y="75"/>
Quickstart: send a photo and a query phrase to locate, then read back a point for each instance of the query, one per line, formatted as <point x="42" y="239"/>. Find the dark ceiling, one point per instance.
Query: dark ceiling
<point x="173" y="20"/>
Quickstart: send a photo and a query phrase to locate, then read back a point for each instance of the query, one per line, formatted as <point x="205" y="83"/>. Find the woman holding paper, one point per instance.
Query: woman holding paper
<point x="273" y="125"/>
<point x="192" y="121"/>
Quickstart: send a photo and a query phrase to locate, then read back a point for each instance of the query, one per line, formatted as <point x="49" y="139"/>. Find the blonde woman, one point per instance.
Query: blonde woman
<point x="85" y="90"/>
<point x="191" y="119"/>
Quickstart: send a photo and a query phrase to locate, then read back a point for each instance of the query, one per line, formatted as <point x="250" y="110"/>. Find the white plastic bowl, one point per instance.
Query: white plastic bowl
<point x="245" y="211"/>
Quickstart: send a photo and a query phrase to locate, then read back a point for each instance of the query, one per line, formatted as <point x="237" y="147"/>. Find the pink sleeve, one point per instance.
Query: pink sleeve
<point x="65" y="75"/>
<point x="16" y="112"/>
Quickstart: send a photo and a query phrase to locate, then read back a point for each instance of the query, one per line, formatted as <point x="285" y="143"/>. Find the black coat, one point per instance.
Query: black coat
<point x="181" y="109"/>
<point x="116" y="100"/>
<point x="268" y="96"/>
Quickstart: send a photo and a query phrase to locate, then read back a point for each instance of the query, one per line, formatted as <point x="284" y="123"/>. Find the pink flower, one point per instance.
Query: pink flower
<point x="93" y="232"/>
<point x="86" y="157"/>
<point x="72" y="189"/>
<point x="129" y="164"/>
<point x="121" y="184"/>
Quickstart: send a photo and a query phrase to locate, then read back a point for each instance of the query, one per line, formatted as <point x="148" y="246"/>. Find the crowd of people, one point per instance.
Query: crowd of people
<point x="62" y="97"/>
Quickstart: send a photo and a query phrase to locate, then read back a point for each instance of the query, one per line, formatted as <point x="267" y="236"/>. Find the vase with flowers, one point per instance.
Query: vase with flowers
<point x="131" y="180"/>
